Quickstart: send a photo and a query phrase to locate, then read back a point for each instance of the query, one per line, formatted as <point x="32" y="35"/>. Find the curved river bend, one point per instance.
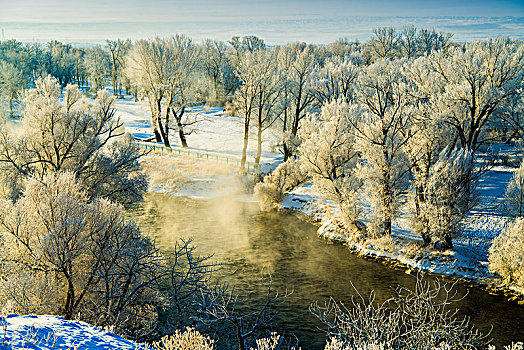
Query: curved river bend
<point x="245" y="240"/>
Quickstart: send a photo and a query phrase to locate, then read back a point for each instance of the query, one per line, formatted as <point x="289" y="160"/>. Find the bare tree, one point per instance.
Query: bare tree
<point x="412" y="319"/>
<point x="188" y="274"/>
<point x="220" y="304"/>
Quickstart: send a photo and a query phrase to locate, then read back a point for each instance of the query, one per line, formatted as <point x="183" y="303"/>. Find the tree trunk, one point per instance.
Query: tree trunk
<point x="240" y="337"/>
<point x="387" y="205"/>
<point x="180" y="126"/>
<point x="163" y="133"/>
<point x="246" y="140"/>
<point x="259" y="138"/>
<point x="287" y="151"/>
<point x="424" y="230"/>
<point x="11" y="107"/>
<point x="69" y="309"/>
<point x="182" y="136"/>
<point x="448" y="243"/>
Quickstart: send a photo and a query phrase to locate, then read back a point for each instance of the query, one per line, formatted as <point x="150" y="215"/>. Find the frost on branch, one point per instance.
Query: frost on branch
<point x="71" y="134"/>
<point x="506" y="255"/>
<point x="328" y="155"/>
<point x="271" y="192"/>
<point x="447" y="197"/>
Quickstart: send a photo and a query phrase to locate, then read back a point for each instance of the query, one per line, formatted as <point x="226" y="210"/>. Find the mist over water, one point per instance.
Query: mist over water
<point x="246" y="240"/>
<point x="319" y="29"/>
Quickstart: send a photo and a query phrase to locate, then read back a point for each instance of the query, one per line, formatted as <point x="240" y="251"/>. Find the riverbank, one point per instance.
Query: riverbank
<point x="204" y="180"/>
<point x="403" y="250"/>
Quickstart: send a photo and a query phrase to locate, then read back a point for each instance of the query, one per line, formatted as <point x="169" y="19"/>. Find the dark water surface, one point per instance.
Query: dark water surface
<point x="246" y="240"/>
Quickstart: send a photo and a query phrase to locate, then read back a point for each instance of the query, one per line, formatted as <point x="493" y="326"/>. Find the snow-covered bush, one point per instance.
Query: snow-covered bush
<point x="447" y="197"/>
<point x="514" y="346"/>
<point x="190" y="339"/>
<point x="514" y="196"/>
<point x="328" y="155"/>
<point x="270" y="343"/>
<point x="337" y="344"/>
<point x="506" y="254"/>
<point x="271" y="192"/>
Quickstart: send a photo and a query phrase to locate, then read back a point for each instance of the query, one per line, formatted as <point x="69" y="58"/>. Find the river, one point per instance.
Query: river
<point x="245" y="240"/>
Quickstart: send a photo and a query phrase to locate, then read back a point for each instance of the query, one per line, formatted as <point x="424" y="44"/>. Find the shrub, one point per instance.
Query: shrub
<point x="506" y="254"/>
<point x="271" y="192"/>
<point x="411" y="319"/>
<point x="190" y="339"/>
<point x="514" y="196"/>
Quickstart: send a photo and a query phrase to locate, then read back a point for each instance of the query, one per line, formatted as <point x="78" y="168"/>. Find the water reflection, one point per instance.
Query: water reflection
<point x="246" y="240"/>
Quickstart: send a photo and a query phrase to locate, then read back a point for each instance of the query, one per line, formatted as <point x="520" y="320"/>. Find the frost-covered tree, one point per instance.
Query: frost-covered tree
<point x="71" y="134"/>
<point x="297" y="63"/>
<point x="216" y="64"/>
<point x="268" y="96"/>
<point x="271" y="191"/>
<point x="343" y="48"/>
<point x="97" y="66"/>
<point x="163" y="70"/>
<point x="11" y="83"/>
<point x="426" y="145"/>
<point x="185" y="90"/>
<point x="384" y="43"/>
<point x="447" y="197"/>
<point x="257" y="95"/>
<point x="328" y="154"/>
<point x="383" y="126"/>
<point x="473" y="82"/>
<point x="514" y="196"/>
<point x="117" y="51"/>
<point x="62" y="62"/>
<point x="145" y="67"/>
<point x="65" y="253"/>
<point x="334" y="81"/>
<point x="506" y="254"/>
<point x="512" y="116"/>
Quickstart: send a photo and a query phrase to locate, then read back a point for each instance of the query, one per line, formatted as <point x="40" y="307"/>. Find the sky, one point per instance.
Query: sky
<point x="316" y="21"/>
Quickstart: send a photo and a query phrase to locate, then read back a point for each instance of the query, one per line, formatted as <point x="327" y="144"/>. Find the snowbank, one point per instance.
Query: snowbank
<point x="53" y="332"/>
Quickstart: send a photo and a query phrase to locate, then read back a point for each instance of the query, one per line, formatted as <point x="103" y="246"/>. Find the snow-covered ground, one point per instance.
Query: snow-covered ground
<point x="53" y="332"/>
<point x="215" y="133"/>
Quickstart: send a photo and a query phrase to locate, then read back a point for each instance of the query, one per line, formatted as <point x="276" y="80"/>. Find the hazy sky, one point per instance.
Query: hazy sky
<point x="274" y="20"/>
<point x="172" y="10"/>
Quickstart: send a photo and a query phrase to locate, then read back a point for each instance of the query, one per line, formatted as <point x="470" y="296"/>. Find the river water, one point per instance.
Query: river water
<point x="245" y="240"/>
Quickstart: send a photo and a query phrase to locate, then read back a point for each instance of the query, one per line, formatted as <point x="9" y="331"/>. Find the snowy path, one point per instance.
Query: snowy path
<point x="53" y="332"/>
